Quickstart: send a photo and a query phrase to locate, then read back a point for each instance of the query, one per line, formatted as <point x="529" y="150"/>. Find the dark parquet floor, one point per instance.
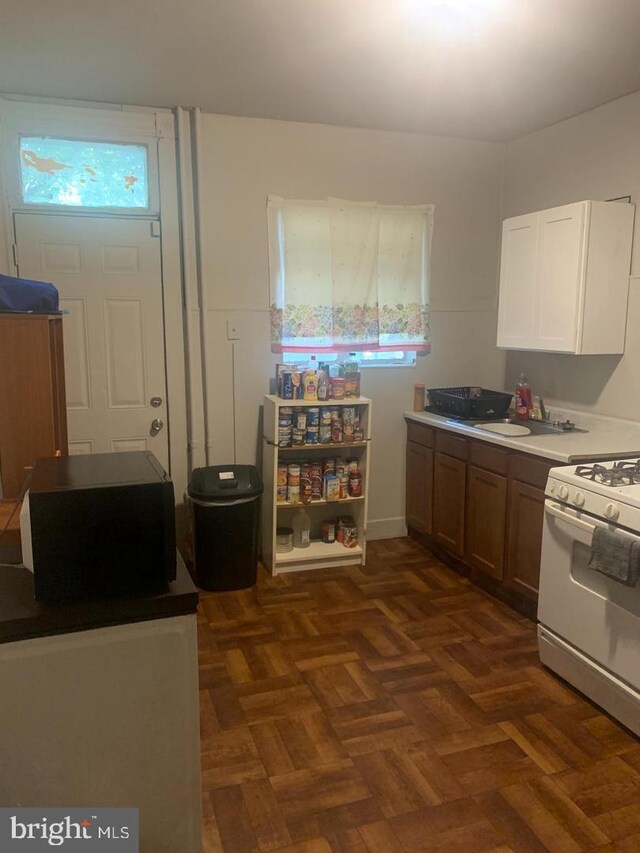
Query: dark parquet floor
<point x="396" y="707"/>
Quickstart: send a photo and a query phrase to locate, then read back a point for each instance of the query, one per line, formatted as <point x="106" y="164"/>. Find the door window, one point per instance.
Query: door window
<point x="83" y="173"/>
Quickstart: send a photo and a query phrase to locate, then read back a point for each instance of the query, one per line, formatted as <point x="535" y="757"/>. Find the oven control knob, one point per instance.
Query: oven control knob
<point x="612" y="511"/>
<point x="578" y="499"/>
<point x="563" y="493"/>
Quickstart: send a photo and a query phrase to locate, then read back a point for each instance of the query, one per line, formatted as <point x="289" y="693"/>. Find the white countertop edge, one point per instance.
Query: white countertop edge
<point x="607" y="438"/>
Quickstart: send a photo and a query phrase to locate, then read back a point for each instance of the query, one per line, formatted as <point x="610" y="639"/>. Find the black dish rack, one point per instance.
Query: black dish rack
<point x="469" y="402"/>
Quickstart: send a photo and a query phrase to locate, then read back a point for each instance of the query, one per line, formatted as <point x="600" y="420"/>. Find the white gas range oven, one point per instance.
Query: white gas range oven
<point x="589" y="623"/>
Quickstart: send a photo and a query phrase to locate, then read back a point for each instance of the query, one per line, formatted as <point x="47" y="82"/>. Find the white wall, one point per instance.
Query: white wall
<point x="244" y="161"/>
<point x="595" y="155"/>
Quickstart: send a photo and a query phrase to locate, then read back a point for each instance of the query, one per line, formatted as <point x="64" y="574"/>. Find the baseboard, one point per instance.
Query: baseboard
<point x="386" y="528"/>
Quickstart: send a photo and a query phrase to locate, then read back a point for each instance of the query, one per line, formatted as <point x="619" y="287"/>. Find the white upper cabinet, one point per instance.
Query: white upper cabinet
<point x="564" y="279"/>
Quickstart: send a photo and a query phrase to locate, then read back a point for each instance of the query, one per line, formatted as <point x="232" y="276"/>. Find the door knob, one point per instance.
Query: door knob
<point x="156" y="402"/>
<point x="156" y="426"/>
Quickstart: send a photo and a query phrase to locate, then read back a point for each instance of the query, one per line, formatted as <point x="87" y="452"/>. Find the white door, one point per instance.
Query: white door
<point x="559" y="277"/>
<point x="518" y="282"/>
<point x="109" y="275"/>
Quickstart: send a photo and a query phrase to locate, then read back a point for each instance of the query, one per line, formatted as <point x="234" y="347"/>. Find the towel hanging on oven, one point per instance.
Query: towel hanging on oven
<point x="615" y="555"/>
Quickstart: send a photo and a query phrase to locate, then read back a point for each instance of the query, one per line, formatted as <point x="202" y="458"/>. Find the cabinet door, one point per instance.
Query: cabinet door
<point x="559" y="278"/>
<point x="449" y="502"/>
<point x="486" y="521"/>
<point x="518" y="282"/>
<point x="524" y="539"/>
<point x="419" y="511"/>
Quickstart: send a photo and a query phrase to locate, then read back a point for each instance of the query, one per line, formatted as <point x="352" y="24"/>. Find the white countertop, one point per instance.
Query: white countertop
<point x="607" y="438"/>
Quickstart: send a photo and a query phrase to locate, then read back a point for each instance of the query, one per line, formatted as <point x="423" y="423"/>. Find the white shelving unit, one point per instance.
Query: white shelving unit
<point x="319" y="554"/>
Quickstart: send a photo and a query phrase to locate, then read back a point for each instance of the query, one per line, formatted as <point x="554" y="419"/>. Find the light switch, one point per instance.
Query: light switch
<point x="233" y="332"/>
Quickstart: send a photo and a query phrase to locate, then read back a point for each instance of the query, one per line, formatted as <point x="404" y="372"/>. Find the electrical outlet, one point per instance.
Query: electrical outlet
<point x="233" y="332"/>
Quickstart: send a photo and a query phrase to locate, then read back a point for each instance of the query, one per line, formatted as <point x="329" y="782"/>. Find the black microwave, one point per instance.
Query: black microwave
<point x="99" y="526"/>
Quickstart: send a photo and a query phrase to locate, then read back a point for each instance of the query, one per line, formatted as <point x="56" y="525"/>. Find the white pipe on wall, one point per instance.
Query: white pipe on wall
<point x="202" y="289"/>
<point x="195" y="401"/>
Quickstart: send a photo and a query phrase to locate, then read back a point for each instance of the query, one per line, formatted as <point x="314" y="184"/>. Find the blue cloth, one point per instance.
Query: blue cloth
<point x="22" y="294"/>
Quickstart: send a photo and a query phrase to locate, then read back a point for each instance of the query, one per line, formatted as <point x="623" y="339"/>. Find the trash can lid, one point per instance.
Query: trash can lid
<point x="225" y="482"/>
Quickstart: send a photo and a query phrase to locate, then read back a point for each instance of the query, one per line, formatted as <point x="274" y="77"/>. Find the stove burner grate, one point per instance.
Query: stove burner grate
<point x="626" y="473"/>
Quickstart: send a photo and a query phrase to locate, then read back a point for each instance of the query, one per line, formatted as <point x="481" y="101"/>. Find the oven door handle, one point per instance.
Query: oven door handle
<point x="571" y="520"/>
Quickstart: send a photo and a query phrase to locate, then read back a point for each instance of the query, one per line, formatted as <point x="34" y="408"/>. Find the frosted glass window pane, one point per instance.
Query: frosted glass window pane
<point x="82" y="173"/>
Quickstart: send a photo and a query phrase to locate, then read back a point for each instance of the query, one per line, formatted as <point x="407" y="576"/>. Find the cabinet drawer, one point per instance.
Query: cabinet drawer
<point x="489" y="457"/>
<point x="534" y="472"/>
<point x="419" y="433"/>
<point x="452" y="445"/>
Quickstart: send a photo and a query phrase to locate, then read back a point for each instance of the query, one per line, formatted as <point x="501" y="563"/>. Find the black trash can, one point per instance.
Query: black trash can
<point x="225" y="501"/>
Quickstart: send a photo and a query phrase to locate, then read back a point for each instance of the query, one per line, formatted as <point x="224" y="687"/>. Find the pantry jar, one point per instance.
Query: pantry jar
<point x="337" y="388"/>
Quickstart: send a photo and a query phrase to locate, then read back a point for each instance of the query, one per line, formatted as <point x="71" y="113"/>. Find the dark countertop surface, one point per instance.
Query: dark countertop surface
<point x="23" y="618"/>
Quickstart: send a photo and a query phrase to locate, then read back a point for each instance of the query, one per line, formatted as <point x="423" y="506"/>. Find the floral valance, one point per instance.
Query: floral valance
<point x="349" y="276"/>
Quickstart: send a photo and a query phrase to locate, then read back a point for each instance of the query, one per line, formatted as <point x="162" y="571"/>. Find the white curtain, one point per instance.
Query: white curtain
<point x="349" y="276"/>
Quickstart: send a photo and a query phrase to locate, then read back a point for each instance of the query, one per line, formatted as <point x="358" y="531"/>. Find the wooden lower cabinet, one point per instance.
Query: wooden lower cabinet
<point x="486" y="521"/>
<point x="481" y="504"/>
<point x="449" y="496"/>
<point x="524" y="539"/>
<point x="419" y="506"/>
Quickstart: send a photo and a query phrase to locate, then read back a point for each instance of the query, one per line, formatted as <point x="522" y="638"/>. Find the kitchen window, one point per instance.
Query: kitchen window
<point x="397" y="358"/>
<point x="349" y="277"/>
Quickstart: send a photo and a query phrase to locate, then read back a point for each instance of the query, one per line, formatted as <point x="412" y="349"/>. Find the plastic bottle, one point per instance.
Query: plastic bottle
<point x="524" y="402"/>
<point x="324" y="386"/>
<point x="310" y="381"/>
<point x="301" y="529"/>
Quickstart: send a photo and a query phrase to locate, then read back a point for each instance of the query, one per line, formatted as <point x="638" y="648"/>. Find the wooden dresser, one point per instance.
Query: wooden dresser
<point x="33" y="418"/>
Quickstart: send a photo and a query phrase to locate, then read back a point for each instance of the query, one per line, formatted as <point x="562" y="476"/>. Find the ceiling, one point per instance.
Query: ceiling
<point x="488" y="69"/>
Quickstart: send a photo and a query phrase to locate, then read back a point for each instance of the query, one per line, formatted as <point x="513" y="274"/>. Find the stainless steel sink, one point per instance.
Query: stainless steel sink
<point x="533" y="427"/>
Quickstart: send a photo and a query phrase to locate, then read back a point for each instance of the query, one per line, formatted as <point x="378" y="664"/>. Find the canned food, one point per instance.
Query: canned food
<point x="312" y="434"/>
<point x="337" y="435"/>
<point x="349" y="414"/>
<point x="347" y="433"/>
<point x="281" y="495"/>
<point x="282" y="475"/>
<point x="305" y="471"/>
<point x="306" y="491"/>
<point x="358" y="434"/>
<point x="335" y="413"/>
<point x="331" y="488"/>
<point x="325" y="436"/>
<point x="293" y="494"/>
<point x="328" y="531"/>
<point x="329" y="465"/>
<point x="355" y="484"/>
<point x="342" y="522"/>
<point x="341" y="467"/>
<point x="352" y="463"/>
<point x="325" y="416"/>
<point x="316" y="468"/>
<point x="301" y="419"/>
<point x="316" y="487"/>
<point x="284" y="437"/>
<point x="293" y="475"/>
<point x="313" y="416"/>
<point x="350" y="536"/>
<point x="298" y="436"/>
<point x="286" y="412"/>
